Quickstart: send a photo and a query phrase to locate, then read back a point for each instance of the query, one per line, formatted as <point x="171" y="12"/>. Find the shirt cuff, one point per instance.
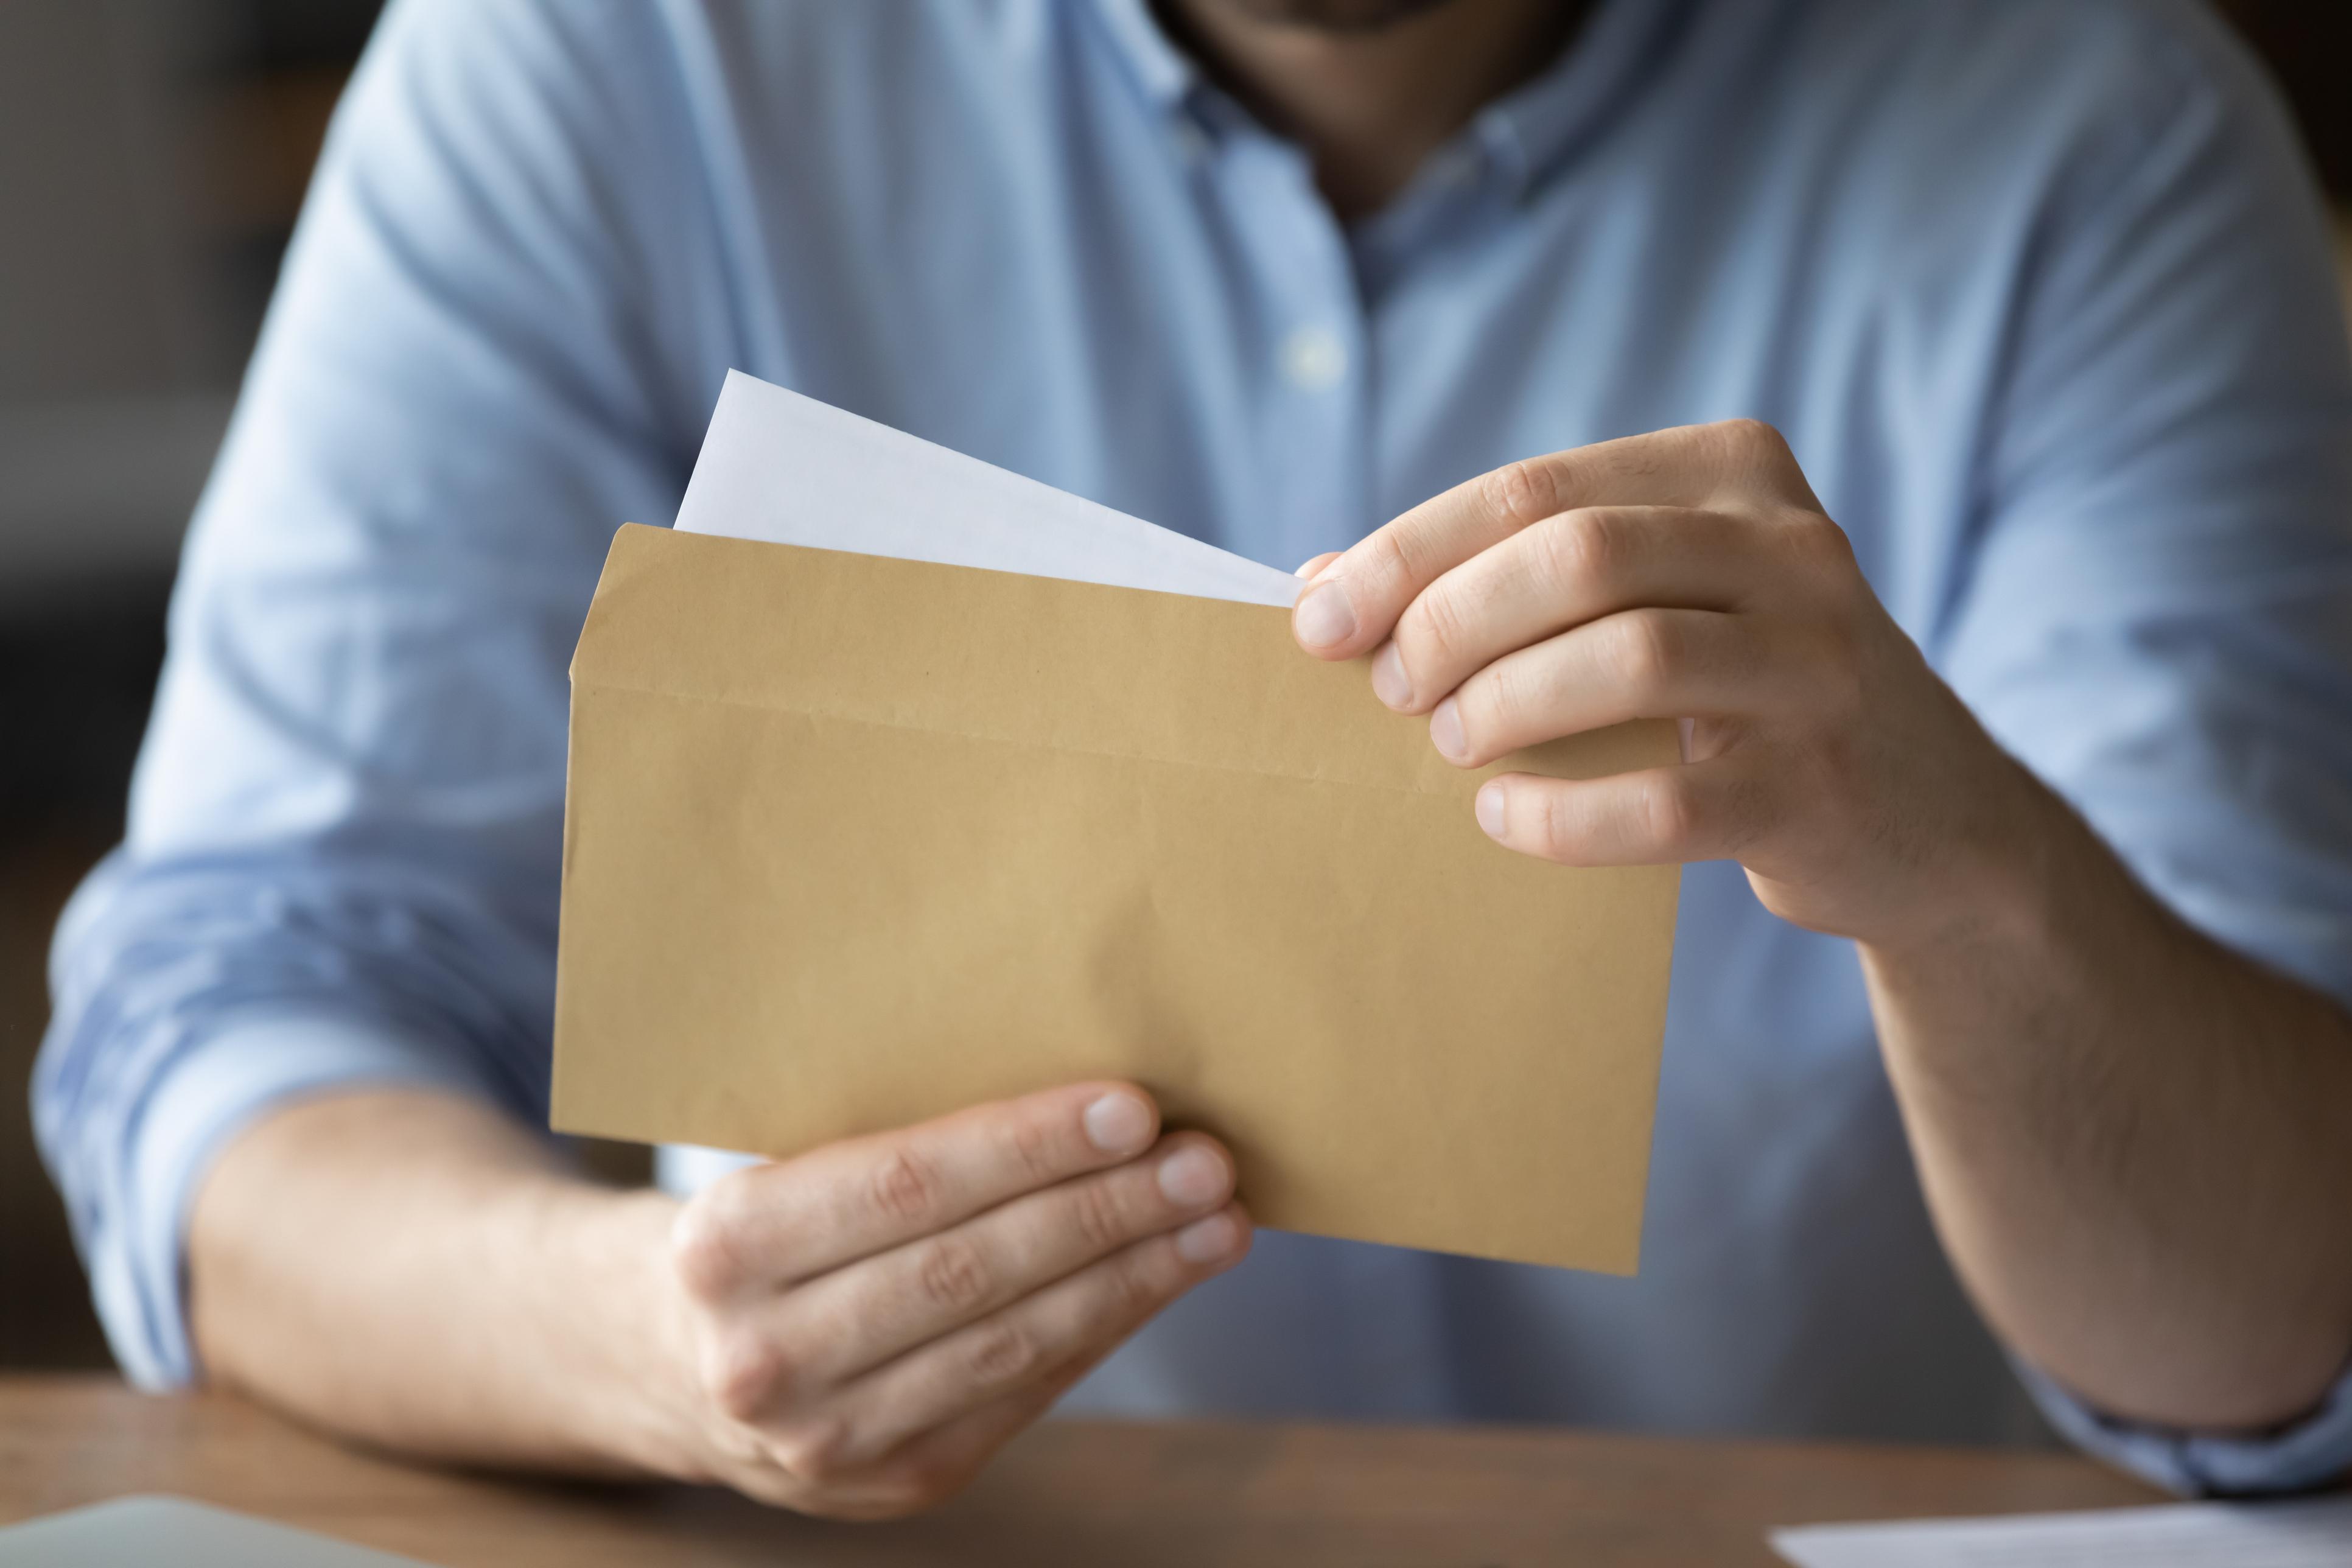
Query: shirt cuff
<point x="2302" y="1455"/>
<point x="213" y="1092"/>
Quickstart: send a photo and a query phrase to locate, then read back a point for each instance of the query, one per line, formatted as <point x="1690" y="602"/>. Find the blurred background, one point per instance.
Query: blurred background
<point x="153" y="157"/>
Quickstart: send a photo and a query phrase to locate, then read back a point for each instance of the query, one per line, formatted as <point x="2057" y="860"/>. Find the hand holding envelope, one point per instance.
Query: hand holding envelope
<point x="936" y="786"/>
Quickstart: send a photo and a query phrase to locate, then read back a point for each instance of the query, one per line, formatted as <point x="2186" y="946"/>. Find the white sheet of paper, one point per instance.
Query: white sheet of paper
<point x="2315" y="1535"/>
<point x="174" y="1531"/>
<point x="852" y="484"/>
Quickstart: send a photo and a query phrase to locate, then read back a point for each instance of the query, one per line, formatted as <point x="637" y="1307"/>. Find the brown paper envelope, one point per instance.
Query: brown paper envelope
<point x="853" y="841"/>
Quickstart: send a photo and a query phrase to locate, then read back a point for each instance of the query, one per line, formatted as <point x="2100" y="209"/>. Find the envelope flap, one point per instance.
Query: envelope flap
<point x="1033" y="661"/>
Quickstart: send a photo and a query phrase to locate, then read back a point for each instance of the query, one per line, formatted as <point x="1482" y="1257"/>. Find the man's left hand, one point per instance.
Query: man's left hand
<point x="1687" y="574"/>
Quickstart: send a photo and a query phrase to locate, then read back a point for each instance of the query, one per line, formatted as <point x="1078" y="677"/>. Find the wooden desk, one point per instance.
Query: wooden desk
<point x="1118" y="1496"/>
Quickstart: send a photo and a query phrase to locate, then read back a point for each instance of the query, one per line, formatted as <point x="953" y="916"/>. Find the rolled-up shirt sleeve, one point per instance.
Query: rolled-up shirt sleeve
<point x="2159" y="616"/>
<point x="2304" y="1454"/>
<point x="343" y="856"/>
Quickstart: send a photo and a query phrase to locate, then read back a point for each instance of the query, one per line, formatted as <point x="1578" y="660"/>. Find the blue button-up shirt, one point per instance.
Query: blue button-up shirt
<point x="2037" y="291"/>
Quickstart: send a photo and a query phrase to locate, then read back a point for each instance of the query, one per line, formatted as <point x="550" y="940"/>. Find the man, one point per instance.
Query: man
<point x="2020" y="795"/>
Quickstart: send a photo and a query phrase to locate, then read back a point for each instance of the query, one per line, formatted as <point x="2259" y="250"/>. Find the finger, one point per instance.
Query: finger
<point x="771" y="1225"/>
<point x="933" y="1465"/>
<point x="1560" y="573"/>
<point x="1355" y="603"/>
<point x="1636" y="664"/>
<point x="1699" y="810"/>
<point x="1073" y="1321"/>
<point x="859" y="1317"/>
<point x="1315" y="565"/>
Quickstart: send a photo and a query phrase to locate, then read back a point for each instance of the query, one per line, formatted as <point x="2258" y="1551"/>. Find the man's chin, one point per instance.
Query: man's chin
<point x="1332" y="15"/>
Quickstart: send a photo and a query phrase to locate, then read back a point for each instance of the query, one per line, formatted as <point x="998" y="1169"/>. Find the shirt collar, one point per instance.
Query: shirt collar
<point x="1166" y="76"/>
<point x="1527" y="134"/>
<point x="1540" y="125"/>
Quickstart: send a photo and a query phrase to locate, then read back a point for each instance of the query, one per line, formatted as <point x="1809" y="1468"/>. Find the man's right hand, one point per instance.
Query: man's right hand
<point x="868" y="1322"/>
<point x="851" y="1332"/>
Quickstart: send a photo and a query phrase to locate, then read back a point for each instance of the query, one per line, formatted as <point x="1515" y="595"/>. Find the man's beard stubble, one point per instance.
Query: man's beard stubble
<point x="1334" y="16"/>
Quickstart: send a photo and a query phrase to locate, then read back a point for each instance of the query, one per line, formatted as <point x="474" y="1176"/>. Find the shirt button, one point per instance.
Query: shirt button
<point x="1313" y="358"/>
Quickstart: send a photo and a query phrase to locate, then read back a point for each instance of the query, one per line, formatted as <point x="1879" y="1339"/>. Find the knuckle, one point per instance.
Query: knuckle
<point x="1755" y="458"/>
<point x="1753" y="438"/>
<point x="1100" y="1220"/>
<point x="1554" y="821"/>
<point x="1142" y="1281"/>
<point x="1647" y="648"/>
<point x="1497" y="703"/>
<point x="815" y="1448"/>
<point x="706" y="1251"/>
<point x="1669" y="811"/>
<point x="954" y="1275"/>
<point x="1035" y="1152"/>
<point x="1820" y="543"/>
<point x="1391" y="556"/>
<point x="906" y="1188"/>
<point x="1578" y="548"/>
<point x="1436" y="625"/>
<point x="1001" y="1353"/>
<point x="743" y="1372"/>
<point x="1518" y="493"/>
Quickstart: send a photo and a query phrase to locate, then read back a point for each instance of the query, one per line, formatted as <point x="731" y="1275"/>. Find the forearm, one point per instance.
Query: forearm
<point x="2133" y="1141"/>
<point x="411" y="1269"/>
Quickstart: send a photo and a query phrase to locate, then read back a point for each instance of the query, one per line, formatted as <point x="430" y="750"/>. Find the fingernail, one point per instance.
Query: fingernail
<point x="1192" y="1176"/>
<point x="1206" y="1240"/>
<point x="1324" y="616"/>
<point x="1390" y="684"/>
<point x="1445" y="734"/>
<point x="1491" y="815"/>
<point x="1119" y="1124"/>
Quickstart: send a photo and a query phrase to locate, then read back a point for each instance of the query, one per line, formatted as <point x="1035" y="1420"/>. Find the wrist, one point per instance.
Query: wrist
<point x="614" y="1306"/>
<point x="2021" y="857"/>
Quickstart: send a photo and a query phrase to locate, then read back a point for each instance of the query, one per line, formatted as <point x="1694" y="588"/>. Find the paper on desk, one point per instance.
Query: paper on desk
<point x="2187" y="1535"/>
<point x="854" y="840"/>
<point x="175" y="1530"/>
